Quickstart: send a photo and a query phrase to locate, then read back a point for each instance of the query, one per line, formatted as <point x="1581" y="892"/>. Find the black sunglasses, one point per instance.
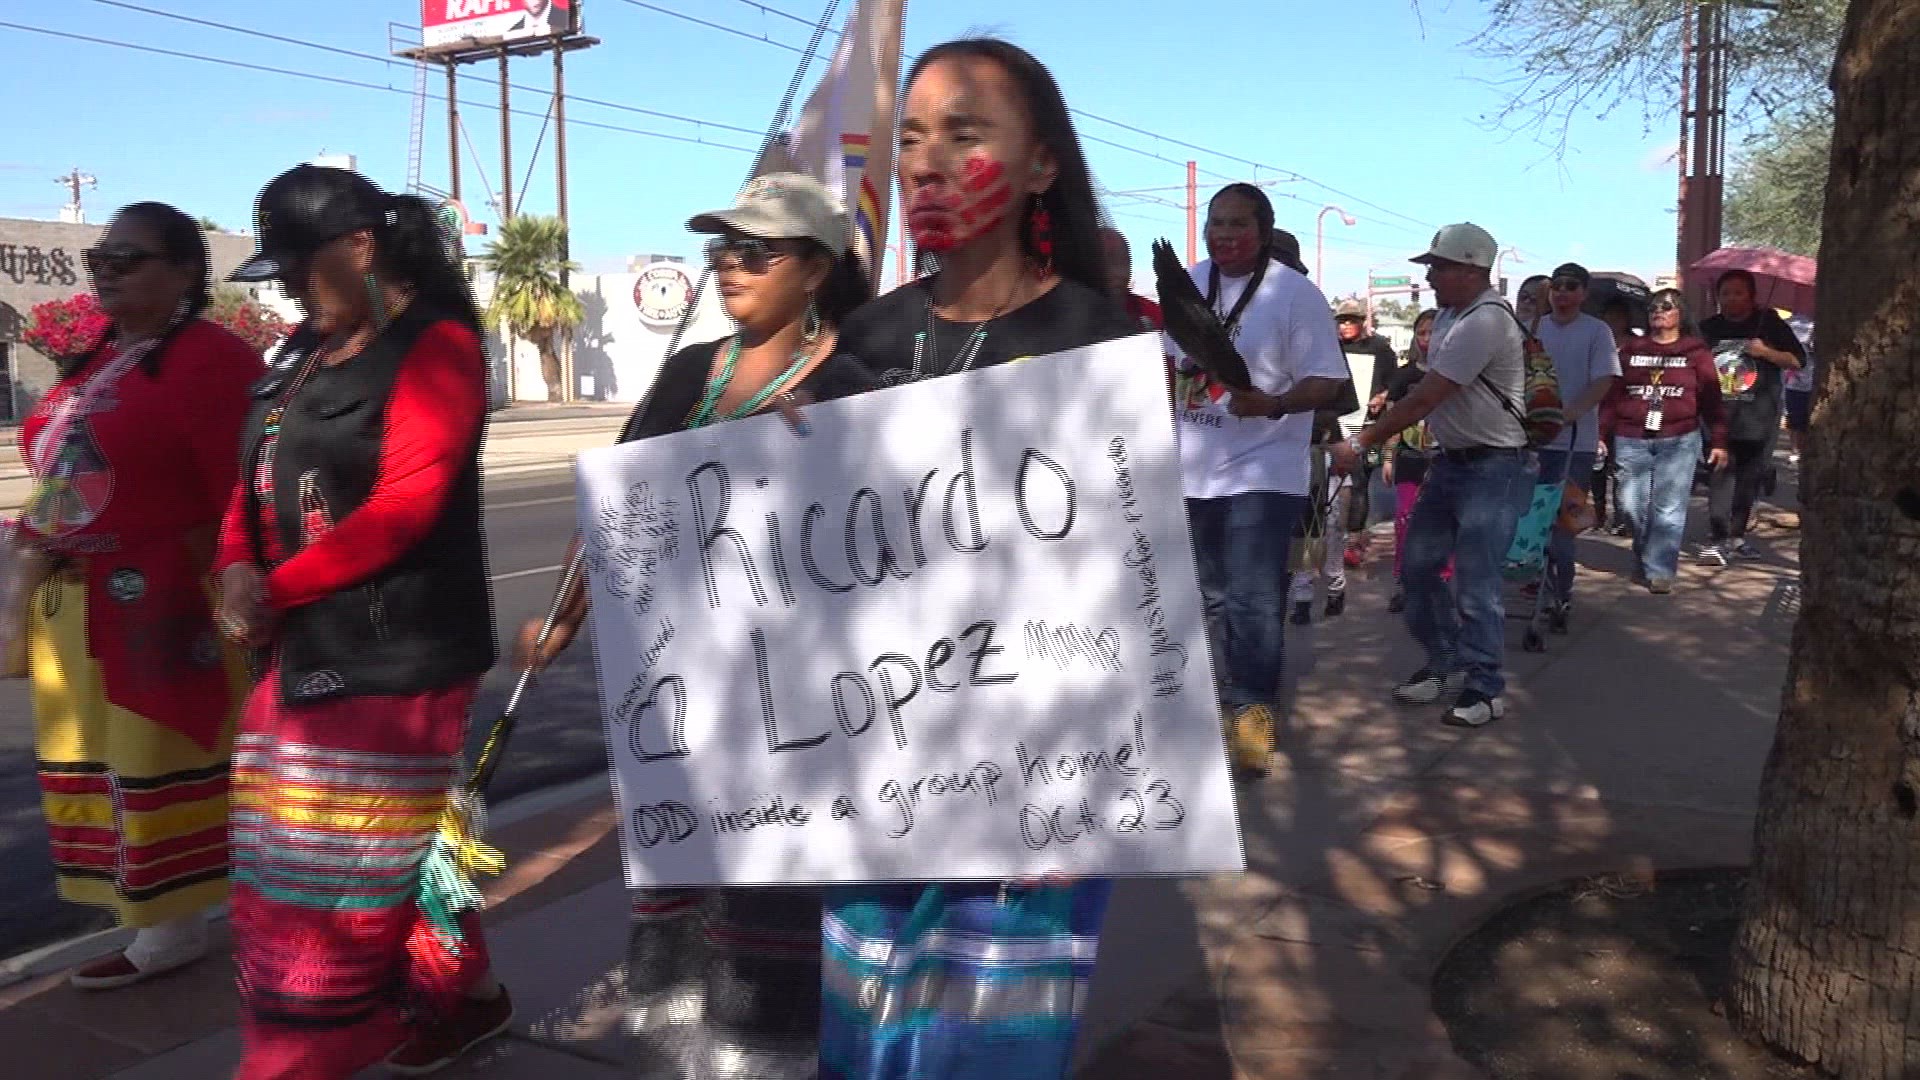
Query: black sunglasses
<point x="115" y="261"/>
<point x="753" y="254"/>
<point x="1665" y="306"/>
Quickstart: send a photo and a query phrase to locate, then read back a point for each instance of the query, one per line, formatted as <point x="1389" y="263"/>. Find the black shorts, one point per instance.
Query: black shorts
<point x="1799" y="408"/>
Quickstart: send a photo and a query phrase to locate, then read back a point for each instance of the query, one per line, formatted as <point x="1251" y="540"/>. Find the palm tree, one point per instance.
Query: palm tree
<point x="528" y="258"/>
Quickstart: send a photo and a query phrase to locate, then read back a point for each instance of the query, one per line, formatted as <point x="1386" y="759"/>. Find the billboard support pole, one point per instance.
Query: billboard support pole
<point x="506" y="142"/>
<point x="453" y="132"/>
<point x="560" y="201"/>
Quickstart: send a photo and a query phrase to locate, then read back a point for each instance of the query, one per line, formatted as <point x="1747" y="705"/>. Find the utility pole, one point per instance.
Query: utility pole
<point x="73" y="213"/>
<point x="1703" y="139"/>
<point x="569" y="380"/>
<point x="1193" y="212"/>
<point x="453" y="131"/>
<point x="506" y="143"/>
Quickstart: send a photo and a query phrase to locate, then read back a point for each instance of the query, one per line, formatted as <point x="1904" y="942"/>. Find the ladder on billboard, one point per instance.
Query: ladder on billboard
<point x="401" y="37"/>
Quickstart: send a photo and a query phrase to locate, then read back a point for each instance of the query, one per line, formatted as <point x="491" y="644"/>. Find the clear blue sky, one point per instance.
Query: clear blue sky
<point x="1359" y="96"/>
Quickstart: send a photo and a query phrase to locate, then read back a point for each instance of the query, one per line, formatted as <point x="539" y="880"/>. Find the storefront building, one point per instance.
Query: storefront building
<point x="40" y="261"/>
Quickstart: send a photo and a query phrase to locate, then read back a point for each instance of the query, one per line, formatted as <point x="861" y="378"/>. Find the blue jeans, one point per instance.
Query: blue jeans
<point x="1553" y="470"/>
<point x="1467" y="511"/>
<point x="1656" y="479"/>
<point x="1240" y="550"/>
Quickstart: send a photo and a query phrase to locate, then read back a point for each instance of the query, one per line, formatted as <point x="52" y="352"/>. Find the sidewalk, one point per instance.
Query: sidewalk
<point x="1383" y="837"/>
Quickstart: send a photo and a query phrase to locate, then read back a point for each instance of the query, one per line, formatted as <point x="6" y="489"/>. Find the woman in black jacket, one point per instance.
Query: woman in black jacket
<point x="352" y="556"/>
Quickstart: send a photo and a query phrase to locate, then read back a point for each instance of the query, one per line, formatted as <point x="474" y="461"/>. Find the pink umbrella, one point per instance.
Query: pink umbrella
<point x="1786" y="281"/>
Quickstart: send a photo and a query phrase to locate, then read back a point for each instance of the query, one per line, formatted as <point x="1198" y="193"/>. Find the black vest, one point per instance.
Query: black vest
<point x="425" y="621"/>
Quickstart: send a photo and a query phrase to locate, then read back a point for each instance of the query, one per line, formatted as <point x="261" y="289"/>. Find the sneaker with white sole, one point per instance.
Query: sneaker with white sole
<point x="1746" y="552"/>
<point x="1474" y="709"/>
<point x="1714" y="555"/>
<point x="1426" y="686"/>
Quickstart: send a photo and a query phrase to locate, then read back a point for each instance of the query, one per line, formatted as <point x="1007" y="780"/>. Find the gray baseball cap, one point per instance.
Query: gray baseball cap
<point x="1465" y="243"/>
<point x="783" y="206"/>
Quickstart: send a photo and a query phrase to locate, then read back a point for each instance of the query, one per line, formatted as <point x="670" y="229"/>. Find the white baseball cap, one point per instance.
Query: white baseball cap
<point x="783" y="206"/>
<point x="1465" y="243"/>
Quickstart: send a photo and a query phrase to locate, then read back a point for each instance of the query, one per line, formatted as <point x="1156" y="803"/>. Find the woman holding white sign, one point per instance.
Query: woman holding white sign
<point x="730" y="978"/>
<point x="975" y="979"/>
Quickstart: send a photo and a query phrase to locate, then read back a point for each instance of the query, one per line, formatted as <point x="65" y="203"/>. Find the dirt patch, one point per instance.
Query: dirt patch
<point x="1605" y="979"/>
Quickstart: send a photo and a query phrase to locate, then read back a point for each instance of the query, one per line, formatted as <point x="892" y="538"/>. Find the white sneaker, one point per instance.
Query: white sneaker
<point x="1473" y="710"/>
<point x="1426" y="686"/>
<point x="1713" y="555"/>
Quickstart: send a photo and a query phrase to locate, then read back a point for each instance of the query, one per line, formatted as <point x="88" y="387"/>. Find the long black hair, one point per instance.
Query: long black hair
<point x="184" y="244"/>
<point x="1070" y="202"/>
<point x="411" y="248"/>
<point x="1262" y="213"/>
<point x="846" y="288"/>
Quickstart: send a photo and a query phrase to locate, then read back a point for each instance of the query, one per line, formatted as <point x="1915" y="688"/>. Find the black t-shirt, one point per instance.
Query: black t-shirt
<point x="1384" y="361"/>
<point x="881" y="335"/>
<point x="1749" y="386"/>
<point x="683" y="381"/>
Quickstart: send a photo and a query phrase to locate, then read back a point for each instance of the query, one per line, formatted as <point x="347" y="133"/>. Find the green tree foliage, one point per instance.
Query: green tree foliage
<point x="527" y="257"/>
<point x="1778" y="188"/>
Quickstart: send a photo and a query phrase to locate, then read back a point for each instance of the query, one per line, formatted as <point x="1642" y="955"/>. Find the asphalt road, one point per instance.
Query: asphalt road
<point x="529" y="491"/>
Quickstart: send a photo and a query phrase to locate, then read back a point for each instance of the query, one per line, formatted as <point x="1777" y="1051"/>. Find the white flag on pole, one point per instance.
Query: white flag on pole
<point x="845" y="137"/>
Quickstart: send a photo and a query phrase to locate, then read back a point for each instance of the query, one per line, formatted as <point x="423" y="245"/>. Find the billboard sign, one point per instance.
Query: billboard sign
<point x="460" y="24"/>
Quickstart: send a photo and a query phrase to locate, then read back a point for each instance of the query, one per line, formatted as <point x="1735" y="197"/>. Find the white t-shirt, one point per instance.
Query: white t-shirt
<point x="1285" y="335"/>
<point x="1479" y="338"/>
<point x="1583" y="353"/>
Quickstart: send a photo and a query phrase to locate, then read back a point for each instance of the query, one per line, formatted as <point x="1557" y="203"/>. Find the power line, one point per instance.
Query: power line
<point x="1256" y="165"/>
<point x="339" y="81"/>
<point x="377" y="58"/>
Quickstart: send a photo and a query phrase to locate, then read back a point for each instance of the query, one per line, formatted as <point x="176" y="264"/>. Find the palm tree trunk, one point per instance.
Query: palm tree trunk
<point x="550" y="365"/>
<point x="1827" y="961"/>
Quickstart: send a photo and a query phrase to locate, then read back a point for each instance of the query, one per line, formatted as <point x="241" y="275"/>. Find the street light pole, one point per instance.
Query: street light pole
<point x="1500" y="261"/>
<point x="1320" y="241"/>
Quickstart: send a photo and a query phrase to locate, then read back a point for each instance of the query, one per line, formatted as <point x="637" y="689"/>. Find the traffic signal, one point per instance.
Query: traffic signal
<point x="1503" y="285"/>
<point x="1416" y="297"/>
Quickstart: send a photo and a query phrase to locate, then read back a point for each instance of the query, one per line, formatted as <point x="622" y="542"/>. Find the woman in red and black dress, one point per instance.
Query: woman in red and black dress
<point x="352" y="553"/>
<point x="132" y="458"/>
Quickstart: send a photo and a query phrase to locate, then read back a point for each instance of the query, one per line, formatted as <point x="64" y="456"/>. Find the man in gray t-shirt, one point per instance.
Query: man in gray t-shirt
<point x="1586" y="361"/>
<point x="1477" y="487"/>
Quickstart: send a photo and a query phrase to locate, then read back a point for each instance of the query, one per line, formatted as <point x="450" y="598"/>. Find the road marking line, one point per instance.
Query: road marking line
<point x="531" y="502"/>
<point x="527" y="573"/>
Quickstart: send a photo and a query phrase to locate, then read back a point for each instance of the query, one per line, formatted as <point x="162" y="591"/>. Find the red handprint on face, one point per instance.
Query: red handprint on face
<point x="1231" y="250"/>
<point x="943" y="219"/>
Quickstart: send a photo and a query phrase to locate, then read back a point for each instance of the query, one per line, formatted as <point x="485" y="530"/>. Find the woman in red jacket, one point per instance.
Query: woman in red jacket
<point x="132" y="457"/>
<point x="1665" y="406"/>
<point x="352" y="552"/>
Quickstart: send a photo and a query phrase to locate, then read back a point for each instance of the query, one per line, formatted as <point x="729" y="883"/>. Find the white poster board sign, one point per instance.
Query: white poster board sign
<point x="951" y="634"/>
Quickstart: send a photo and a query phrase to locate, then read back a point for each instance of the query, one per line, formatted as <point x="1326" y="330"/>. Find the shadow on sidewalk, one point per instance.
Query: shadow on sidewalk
<point x="1384" y="837"/>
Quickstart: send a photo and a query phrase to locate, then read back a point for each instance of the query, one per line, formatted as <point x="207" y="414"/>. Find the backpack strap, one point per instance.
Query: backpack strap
<point x="1507" y="403"/>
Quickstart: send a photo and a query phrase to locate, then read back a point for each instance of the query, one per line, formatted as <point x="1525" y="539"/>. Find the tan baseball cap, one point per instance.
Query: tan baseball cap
<point x="783" y="206"/>
<point x="1465" y="243"/>
<point x="1350" y="308"/>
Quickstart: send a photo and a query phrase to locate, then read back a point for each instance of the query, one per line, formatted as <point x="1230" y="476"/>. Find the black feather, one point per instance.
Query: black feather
<point x="1192" y="323"/>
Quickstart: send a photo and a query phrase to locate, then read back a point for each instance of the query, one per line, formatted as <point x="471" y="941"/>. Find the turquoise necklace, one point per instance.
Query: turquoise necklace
<point x="717" y="385"/>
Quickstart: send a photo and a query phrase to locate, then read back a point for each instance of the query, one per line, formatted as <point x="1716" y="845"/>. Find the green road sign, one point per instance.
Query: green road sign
<point x="1390" y="282"/>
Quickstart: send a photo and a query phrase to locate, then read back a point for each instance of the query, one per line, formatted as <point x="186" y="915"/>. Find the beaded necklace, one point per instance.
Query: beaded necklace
<point x="717" y="385"/>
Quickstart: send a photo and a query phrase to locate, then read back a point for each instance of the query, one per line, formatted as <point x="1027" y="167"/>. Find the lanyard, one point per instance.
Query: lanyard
<point x="1232" y="319"/>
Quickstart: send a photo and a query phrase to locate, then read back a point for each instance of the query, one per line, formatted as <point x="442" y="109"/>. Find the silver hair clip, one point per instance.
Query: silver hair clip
<point x="393" y="217"/>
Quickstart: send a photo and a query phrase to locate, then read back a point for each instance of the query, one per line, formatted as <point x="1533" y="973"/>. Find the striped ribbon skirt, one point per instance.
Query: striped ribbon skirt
<point x="959" y="981"/>
<point x="335" y="805"/>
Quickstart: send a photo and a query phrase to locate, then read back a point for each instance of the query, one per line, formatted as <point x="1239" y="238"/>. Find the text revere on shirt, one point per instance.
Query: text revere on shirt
<point x="1285" y="336"/>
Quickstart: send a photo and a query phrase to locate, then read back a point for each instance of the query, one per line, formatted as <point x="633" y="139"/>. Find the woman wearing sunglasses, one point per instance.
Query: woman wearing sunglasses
<point x="132" y="458"/>
<point x="1666" y="403"/>
<point x="352" y="557"/>
<point x="727" y="981"/>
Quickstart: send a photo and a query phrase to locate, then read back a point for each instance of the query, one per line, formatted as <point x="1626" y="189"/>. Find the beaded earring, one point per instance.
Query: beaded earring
<point x="1040" y="229"/>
